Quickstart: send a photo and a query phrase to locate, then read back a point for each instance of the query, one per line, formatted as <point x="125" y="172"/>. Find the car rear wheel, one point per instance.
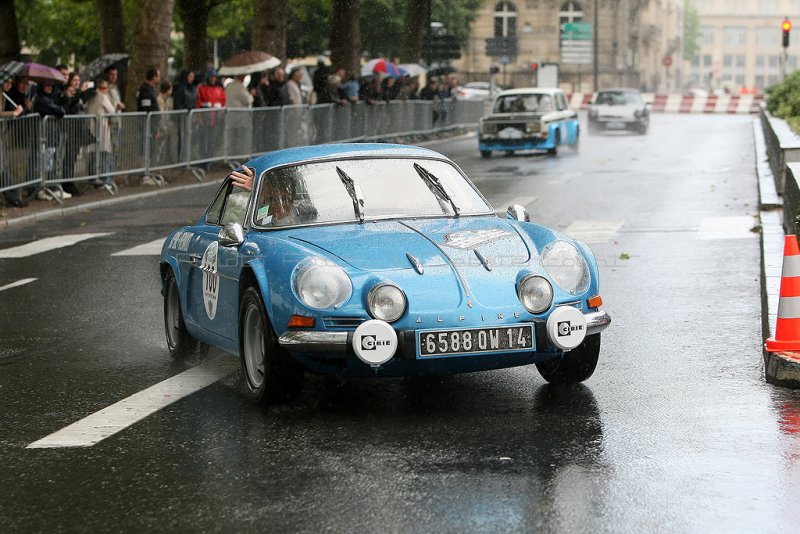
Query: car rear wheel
<point x="269" y="373"/>
<point x="575" y="366"/>
<point x="179" y="341"/>
<point x="486" y="154"/>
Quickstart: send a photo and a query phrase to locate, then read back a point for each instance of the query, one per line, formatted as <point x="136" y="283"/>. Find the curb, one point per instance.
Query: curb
<point x="71" y="210"/>
<point x="780" y="369"/>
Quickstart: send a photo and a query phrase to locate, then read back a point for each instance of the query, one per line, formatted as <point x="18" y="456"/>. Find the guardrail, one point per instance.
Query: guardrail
<point x="48" y="152"/>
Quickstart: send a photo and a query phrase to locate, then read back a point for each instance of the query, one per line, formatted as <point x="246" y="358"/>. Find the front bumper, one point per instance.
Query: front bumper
<point x="340" y="343"/>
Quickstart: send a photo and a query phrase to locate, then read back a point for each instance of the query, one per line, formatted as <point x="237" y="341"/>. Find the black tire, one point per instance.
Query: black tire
<point x="643" y="128"/>
<point x="180" y="342"/>
<point x="509" y="153"/>
<point x="554" y="151"/>
<point x="486" y="154"/>
<point x="278" y="377"/>
<point x="575" y="366"/>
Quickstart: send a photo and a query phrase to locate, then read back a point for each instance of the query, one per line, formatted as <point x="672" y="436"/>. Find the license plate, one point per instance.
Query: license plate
<point x="476" y="340"/>
<point x="613" y="125"/>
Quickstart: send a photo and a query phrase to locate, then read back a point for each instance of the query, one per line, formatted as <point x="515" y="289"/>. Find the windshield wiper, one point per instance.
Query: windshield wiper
<point x="435" y="185"/>
<point x="355" y="193"/>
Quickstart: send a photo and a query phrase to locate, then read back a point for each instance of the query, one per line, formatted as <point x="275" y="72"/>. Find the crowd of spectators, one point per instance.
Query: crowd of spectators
<point x="190" y="90"/>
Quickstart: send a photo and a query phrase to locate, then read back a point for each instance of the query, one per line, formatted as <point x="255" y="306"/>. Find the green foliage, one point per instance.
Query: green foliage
<point x="308" y="28"/>
<point x="784" y="99"/>
<point x="456" y="15"/>
<point x="691" y="31"/>
<point x="382" y="27"/>
<point x="56" y="29"/>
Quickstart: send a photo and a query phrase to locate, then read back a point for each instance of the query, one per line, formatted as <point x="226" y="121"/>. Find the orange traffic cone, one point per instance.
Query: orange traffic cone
<point x="787" y="331"/>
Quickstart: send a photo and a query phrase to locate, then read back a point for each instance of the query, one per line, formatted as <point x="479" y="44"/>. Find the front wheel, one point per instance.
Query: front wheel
<point x="575" y="366"/>
<point x="180" y="342"/>
<point x="269" y="373"/>
<point x="486" y="154"/>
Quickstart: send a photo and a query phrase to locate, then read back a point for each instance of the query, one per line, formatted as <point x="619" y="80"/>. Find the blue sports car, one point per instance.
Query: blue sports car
<point x="375" y="260"/>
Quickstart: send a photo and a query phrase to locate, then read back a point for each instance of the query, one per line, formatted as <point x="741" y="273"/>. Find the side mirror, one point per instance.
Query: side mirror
<point x="232" y="235"/>
<point x="516" y="212"/>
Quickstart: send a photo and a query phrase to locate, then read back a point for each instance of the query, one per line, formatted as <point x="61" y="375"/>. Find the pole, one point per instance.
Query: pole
<point x="595" y="57"/>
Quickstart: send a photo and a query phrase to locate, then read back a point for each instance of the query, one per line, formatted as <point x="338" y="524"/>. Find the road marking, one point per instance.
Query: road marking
<point x="153" y="248"/>
<point x="46" y="244"/>
<point x="18" y="283"/>
<point x="726" y="228"/>
<point x="108" y="421"/>
<point x="593" y="231"/>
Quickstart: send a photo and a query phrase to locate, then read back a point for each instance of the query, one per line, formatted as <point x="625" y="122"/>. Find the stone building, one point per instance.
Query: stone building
<point x="634" y="38"/>
<point x="741" y="44"/>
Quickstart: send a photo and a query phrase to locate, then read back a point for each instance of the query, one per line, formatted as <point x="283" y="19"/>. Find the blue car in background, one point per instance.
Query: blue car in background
<point x="375" y="260"/>
<point x="528" y="119"/>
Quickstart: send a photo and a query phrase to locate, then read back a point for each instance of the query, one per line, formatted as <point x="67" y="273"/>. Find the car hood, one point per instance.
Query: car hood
<point x="469" y="243"/>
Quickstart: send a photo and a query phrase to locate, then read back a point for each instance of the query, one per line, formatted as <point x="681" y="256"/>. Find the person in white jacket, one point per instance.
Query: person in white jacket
<point x="101" y="106"/>
<point x="238" y="123"/>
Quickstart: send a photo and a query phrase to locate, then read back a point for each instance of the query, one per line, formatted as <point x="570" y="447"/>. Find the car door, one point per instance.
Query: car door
<point x="214" y="283"/>
<point x="568" y="119"/>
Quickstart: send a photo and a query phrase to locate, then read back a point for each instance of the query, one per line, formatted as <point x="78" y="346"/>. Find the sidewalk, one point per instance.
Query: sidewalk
<point x="779" y="369"/>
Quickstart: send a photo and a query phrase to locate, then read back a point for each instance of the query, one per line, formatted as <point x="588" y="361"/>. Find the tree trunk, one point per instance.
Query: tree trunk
<point x="112" y="26"/>
<point x="9" y="34"/>
<point x="269" y="27"/>
<point x="194" y="15"/>
<point x="346" y="35"/>
<point x="415" y="27"/>
<point x="151" y="44"/>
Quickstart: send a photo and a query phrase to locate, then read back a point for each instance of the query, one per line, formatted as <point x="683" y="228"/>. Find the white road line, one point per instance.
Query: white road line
<point x="108" y="421"/>
<point x="153" y="248"/>
<point x="593" y="231"/>
<point x="18" y="283"/>
<point x="726" y="228"/>
<point x="46" y="244"/>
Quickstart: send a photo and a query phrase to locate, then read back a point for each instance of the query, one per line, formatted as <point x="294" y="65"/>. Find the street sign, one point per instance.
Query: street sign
<point x="576" y="43"/>
<point x="501" y="46"/>
<point x="505" y="60"/>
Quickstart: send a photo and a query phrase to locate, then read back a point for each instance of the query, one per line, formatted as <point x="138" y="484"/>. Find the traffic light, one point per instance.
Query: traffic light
<point x="786" y="26"/>
<point x="535" y="67"/>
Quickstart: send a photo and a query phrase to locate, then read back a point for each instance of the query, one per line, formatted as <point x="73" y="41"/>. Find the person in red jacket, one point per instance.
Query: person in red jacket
<point x="210" y="94"/>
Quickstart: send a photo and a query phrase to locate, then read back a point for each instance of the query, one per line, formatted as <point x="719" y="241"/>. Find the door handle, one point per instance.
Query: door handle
<point x="195" y="259"/>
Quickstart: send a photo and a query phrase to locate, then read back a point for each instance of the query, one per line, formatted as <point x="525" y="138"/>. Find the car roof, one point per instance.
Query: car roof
<point x="619" y="90"/>
<point x="530" y="91"/>
<point x="289" y="156"/>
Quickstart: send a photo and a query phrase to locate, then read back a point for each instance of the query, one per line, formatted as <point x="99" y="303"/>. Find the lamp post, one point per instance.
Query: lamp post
<point x="595" y="57"/>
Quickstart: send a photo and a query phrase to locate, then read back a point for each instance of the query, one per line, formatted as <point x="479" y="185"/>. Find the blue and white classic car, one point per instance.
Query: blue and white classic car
<point x="379" y="260"/>
<point x="528" y="119"/>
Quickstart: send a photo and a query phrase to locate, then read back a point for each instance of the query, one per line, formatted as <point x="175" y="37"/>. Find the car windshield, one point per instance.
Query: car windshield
<point x="315" y="193"/>
<point x="618" y="98"/>
<point x="523" y="103"/>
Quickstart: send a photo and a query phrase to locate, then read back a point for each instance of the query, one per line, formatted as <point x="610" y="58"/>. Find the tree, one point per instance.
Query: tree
<point x="269" y="27"/>
<point x="346" y="34"/>
<point x="415" y="27"/>
<point x="308" y="27"/>
<point x="9" y="34"/>
<point x="194" y="15"/>
<point x="112" y="26"/>
<point x="691" y="31"/>
<point x="151" y="44"/>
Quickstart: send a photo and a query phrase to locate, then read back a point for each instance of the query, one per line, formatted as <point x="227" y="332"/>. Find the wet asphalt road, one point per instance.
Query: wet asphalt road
<point x="676" y="431"/>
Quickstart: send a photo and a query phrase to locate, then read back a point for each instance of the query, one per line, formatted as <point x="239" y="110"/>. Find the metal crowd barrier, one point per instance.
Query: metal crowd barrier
<point x="47" y="152"/>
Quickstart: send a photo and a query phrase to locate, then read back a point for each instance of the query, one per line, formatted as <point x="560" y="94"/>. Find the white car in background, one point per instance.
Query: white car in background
<point x="475" y="91"/>
<point x="618" y="109"/>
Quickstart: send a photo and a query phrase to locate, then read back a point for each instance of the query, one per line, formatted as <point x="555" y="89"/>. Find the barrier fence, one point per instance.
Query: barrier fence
<point x="38" y="152"/>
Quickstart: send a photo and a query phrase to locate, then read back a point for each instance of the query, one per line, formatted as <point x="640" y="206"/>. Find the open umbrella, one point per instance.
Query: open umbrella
<point x="9" y="70"/>
<point x="248" y="62"/>
<point x="381" y="66"/>
<point x="442" y="71"/>
<point x="42" y="73"/>
<point x="412" y="69"/>
<point x="93" y="69"/>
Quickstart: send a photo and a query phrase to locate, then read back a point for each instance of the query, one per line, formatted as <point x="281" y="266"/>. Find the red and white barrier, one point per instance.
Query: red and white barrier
<point x="677" y="103"/>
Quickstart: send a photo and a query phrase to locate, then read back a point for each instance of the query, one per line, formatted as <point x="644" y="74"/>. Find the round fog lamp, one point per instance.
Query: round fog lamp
<point x="386" y="302"/>
<point x="535" y="293"/>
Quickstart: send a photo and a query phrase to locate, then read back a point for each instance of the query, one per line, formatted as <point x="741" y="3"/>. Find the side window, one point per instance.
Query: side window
<point x="214" y="212"/>
<point x="561" y="102"/>
<point x="235" y="207"/>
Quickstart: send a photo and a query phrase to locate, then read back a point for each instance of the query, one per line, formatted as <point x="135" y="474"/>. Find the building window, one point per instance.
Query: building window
<point x="772" y="79"/>
<point x="727" y="61"/>
<point x="774" y="62"/>
<point x="791" y="62"/>
<point x="570" y="12"/>
<point x="707" y="35"/>
<point x="761" y="60"/>
<point x="696" y="61"/>
<point x="768" y="37"/>
<point x="739" y="79"/>
<point x="505" y="20"/>
<point x="735" y="35"/>
<point x="707" y="60"/>
<point x="740" y="61"/>
<point x="760" y="80"/>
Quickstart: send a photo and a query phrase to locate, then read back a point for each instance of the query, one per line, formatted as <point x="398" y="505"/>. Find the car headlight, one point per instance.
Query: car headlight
<point x="535" y="293"/>
<point x="322" y="284"/>
<point x="566" y="266"/>
<point x="489" y="128"/>
<point x="386" y="302"/>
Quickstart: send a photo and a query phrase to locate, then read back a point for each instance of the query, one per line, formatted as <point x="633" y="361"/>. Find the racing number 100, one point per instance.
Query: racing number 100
<point x="211" y="282"/>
